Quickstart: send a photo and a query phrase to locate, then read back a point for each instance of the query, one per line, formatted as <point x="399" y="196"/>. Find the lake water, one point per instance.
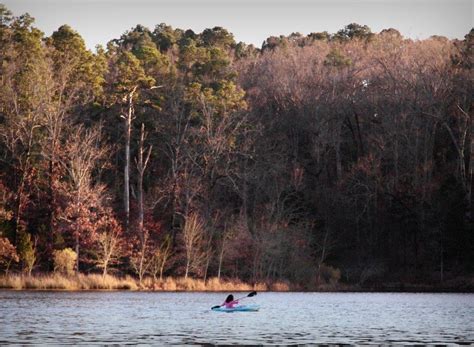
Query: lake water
<point x="185" y="318"/>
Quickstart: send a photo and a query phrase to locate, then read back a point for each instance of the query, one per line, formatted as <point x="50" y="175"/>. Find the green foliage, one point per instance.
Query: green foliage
<point x="68" y="42"/>
<point x="204" y="64"/>
<point x="221" y="101"/>
<point x="5" y="16"/>
<point x="464" y="57"/>
<point x="243" y="50"/>
<point x="151" y="58"/>
<point x="217" y="37"/>
<point x="132" y="39"/>
<point x="189" y="53"/>
<point x="322" y="36"/>
<point x="64" y="261"/>
<point x="26" y="38"/>
<point x="336" y="58"/>
<point x="127" y="73"/>
<point x="166" y="37"/>
<point x="212" y="65"/>
<point x="354" y="31"/>
<point x="27" y="251"/>
<point x="24" y="61"/>
<point x="273" y="42"/>
<point x="100" y="69"/>
<point x="73" y="63"/>
<point x="141" y="43"/>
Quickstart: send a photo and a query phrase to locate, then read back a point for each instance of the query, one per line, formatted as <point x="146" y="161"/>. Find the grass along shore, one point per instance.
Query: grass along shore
<point x="55" y="281"/>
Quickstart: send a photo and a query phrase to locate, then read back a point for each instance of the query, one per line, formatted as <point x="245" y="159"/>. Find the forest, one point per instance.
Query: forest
<point x="313" y="160"/>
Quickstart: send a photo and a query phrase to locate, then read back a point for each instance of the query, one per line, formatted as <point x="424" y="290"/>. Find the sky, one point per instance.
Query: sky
<point x="251" y="21"/>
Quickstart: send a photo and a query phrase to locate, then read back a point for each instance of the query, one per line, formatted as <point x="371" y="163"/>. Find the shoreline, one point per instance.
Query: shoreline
<point x="97" y="282"/>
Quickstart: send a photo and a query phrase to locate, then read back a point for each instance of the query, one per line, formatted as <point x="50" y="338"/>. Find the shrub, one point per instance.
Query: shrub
<point x="7" y="253"/>
<point x="330" y="274"/>
<point x="27" y="252"/>
<point x="372" y="272"/>
<point x="64" y="261"/>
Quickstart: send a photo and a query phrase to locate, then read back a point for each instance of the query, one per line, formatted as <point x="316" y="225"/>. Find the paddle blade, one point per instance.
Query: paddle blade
<point x="214" y="307"/>
<point x="252" y="294"/>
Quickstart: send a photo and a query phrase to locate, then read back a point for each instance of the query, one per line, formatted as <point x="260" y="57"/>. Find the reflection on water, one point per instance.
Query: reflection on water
<point x="186" y="318"/>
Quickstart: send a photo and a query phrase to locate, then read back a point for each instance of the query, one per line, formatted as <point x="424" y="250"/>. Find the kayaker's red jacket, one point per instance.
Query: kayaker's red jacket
<point x="230" y="304"/>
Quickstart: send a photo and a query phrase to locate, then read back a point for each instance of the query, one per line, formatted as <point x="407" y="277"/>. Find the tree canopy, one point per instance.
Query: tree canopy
<point x="316" y="158"/>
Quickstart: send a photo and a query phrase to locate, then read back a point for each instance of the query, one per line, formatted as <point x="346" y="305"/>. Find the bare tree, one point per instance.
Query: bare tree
<point x="83" y="154"/>
<point x="109" y="241"/>
<point x="141" y="162"/>
<point x="128" y="117"/>
<point x="193" y="238"/>
<point x="160" y="258"/>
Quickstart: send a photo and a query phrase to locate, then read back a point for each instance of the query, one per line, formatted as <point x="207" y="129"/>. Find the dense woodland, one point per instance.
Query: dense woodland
<point x="313" y="159"/>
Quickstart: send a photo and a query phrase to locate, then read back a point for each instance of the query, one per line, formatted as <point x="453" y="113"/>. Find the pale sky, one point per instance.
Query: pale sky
<point x="251" y="21"/>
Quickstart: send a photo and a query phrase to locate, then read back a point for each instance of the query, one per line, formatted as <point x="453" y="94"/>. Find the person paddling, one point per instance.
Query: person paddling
<point x="230" y="302"/>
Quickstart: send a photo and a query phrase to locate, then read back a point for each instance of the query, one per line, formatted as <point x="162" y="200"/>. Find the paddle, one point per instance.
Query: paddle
<point x="249" y="295"/>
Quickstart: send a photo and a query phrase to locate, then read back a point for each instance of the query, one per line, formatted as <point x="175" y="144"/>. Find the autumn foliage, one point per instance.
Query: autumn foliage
<point x="314" y="160"/>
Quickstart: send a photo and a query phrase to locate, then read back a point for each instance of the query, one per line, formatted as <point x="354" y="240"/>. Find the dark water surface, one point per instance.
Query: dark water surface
<point x="185" y="318"/>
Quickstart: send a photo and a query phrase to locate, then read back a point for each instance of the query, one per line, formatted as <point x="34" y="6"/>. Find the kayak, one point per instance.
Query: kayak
<point x="241" y="308"/>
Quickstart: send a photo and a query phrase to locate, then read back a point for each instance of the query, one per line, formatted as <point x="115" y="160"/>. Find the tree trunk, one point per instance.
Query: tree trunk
<point x="141" y="166"/>
<point x="323" y="254"/>
<point x="128" y="130"/>
<point x="106" y="262"/>
<point x="126" y="191"/>
<point x="221" y="257"/>
<point x="51" y="202"/>
<point x="187" y="268"/>
<point x="338" y="162"/>
<point x="206" y="268"/>
<point x="141" y="269"/>
<point x="140" y="206"/>
<point x="19" y="212"/>
<point x="162" y="267"/>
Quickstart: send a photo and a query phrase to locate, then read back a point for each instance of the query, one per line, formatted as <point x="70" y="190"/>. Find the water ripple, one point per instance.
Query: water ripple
<point x="184" y="318"/>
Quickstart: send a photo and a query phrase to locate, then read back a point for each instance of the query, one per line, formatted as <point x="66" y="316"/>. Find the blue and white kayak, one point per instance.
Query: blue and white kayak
<point x="240" y="308"/>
